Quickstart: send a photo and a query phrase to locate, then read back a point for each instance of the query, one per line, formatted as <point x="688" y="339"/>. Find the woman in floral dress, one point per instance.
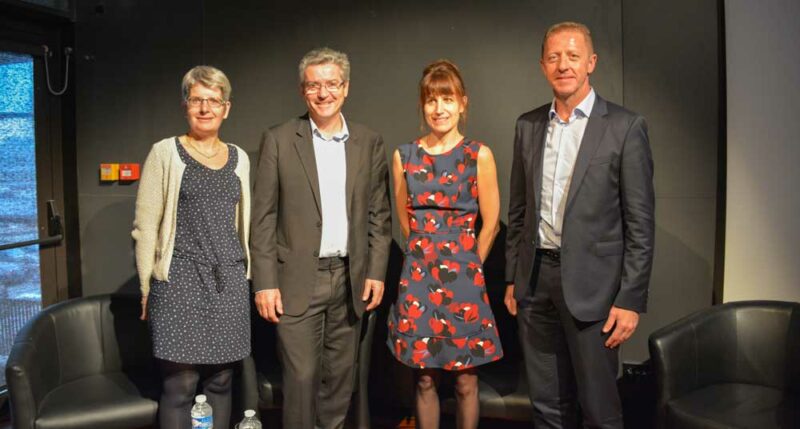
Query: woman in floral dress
<point x="442" y="183"/>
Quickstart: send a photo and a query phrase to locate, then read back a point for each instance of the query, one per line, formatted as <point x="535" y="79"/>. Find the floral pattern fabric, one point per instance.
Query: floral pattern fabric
<point x="442" y="318"/>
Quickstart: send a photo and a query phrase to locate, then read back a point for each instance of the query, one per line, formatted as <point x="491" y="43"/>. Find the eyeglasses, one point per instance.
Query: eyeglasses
<point x="214" y="103"/>
<point x="315" y="87"/>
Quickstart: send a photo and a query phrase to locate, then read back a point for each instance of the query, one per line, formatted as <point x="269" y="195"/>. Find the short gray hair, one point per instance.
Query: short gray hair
<point x="569" y="26"/>
<point x="324" y="56"/>
<point x="208" y="76"/>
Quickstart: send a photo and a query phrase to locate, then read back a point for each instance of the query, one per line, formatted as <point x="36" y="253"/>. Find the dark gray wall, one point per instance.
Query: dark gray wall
<point x="133" y="54"/>
<point x="130" y="57"/>
<point x="671" y="77"/>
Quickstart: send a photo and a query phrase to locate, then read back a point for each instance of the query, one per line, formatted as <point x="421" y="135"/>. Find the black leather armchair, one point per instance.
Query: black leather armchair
<point x="735" y="365"/>
<point x="84" y="363"/>
<point x="265" y="368"/>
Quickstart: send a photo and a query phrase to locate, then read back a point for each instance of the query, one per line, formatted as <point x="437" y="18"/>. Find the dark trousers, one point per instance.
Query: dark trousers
<point x="180" y="386"/>
<point x="318" y="351"/>
<point x="566" y="360"/>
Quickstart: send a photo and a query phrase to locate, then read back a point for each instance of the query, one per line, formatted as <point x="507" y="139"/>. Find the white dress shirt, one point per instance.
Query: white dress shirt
<point x="332" y="173"/>
<point x="562" y="142"/>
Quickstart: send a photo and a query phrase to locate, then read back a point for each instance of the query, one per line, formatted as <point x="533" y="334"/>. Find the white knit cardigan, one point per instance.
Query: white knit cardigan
<point x="157" y="208"/>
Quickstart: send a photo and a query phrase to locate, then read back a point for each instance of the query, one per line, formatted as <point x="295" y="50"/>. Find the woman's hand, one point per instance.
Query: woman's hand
<point x="144" y="308"/>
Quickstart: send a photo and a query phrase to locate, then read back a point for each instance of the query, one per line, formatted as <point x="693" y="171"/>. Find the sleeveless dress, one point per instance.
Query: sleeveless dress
<point x="202" y="314"/>
<point x="442" y="318"/>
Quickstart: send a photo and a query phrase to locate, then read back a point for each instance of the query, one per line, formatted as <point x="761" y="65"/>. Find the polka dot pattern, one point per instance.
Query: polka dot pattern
<point x="202" y="314"/>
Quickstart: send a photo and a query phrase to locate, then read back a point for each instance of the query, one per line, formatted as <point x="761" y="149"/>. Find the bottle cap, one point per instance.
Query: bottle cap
<point x="249" y="413"/>
<point x="200" y="399"/>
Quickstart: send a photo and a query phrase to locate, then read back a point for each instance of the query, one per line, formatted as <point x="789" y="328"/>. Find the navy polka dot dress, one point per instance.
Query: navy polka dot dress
<point x="202" y="314"/>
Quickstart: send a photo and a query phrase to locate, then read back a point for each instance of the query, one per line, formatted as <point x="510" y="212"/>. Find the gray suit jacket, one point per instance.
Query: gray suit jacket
<point x="286" y="226"/>
<point x="608" y="233"/>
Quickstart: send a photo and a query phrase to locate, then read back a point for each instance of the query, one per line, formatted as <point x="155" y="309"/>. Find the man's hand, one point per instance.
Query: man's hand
<point x="624" y="323"/>
<point x="375" y="288"/>
<point x="144" y="308"/>
<point x="269" y="304"/>
<point x="510" y="301"/>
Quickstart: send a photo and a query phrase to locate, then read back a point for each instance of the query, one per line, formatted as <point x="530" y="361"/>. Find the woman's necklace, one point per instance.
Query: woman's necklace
<point x="191" y="142"/>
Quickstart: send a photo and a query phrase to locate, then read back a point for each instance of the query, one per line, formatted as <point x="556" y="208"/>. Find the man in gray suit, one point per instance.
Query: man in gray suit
<point x="580" y="237"/>
<point x="320" y="237"/>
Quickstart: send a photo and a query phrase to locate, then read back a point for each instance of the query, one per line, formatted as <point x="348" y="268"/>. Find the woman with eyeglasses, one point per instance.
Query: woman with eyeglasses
<point x="191" y="232"/>
<point x="443" y="182"/>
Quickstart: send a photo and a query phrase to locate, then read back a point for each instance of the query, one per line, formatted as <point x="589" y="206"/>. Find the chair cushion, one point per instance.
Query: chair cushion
<point x="503" y="392"/>
<point x="736" y="406"/>
<point x="98" y="401"/>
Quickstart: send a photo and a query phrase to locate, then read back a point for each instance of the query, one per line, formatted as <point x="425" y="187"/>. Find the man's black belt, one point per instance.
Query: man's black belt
<point x="554" y="254"/>
<point x="332" y="262"/>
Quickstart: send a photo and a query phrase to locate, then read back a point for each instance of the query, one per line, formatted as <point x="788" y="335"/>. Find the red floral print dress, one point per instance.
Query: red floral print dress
<point x="442" y="317"/>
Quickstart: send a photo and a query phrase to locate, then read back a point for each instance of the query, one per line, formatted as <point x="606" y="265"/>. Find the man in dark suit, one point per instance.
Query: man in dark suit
<point x="580" y="237"/>
<point x="320" y="238"/>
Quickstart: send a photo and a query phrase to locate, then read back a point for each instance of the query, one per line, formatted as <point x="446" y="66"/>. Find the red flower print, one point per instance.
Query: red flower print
<point x="420" y="173"/>
<point x="445" y="271"/>
<point x="486" y="324"/>
<point x="473" y="187"/>
<point x="467" y="240"/>
<point x="435" y="345"/>
<point x="431" y="223"/>
<point x="438" y="199"/>
<point x="440" y="325"/>
<point x="447" y="248"/>
<point x="459" y="363"/>
<point x="412" y="308"/>
<point x="420" y="352"/>
<point x="458" y="343"/>
<point x="439" y="295"/>
<point x="447" y="178"/>
<point x="471" y="155"/>
<point x="423" y="248"/>
<point x="406" y="326"/>
<point x="475" y="272"/>
<point x="464" y="311"/>
<point x="417" y="271"/>
<point x="403" y="285"/>
<point x="481" y="347"/>
<point x="466" y="221"/>
<point x="400" y="347"/>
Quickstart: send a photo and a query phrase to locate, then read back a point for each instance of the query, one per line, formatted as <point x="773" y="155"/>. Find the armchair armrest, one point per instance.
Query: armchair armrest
<point x="32" y="370"/>
<point x="674" y="357"/>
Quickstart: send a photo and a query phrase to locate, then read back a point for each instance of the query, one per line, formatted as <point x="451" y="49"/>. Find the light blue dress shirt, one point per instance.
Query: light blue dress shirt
<point x="562" y="142"/>
<point x="332" y="173"/>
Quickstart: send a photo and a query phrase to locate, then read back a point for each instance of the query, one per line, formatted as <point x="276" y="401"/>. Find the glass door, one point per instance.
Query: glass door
<point x="29" y="224"/>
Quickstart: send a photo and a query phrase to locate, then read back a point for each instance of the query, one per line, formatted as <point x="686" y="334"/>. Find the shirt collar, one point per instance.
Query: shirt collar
<point x="584" y="109"/>
<point x="341" y="136"/>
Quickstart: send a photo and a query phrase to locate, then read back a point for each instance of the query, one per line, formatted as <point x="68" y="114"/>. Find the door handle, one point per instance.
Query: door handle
<point x="55" y="231"/>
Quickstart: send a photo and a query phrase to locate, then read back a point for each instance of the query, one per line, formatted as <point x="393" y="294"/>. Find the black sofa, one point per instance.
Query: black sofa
<point x="84" y="363"/>
<point x="735" y="365"/>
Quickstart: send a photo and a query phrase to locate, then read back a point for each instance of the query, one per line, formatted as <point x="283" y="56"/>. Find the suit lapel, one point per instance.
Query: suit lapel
<point x="592" y="137"/>
<point x="305" y="150"/>
<point x="535" y="158"/>
<point x="353" y="149"/>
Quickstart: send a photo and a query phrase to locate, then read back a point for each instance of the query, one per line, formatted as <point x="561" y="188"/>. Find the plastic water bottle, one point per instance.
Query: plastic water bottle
<point x="202" y="415"/>
<point x="250" y="421"/>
